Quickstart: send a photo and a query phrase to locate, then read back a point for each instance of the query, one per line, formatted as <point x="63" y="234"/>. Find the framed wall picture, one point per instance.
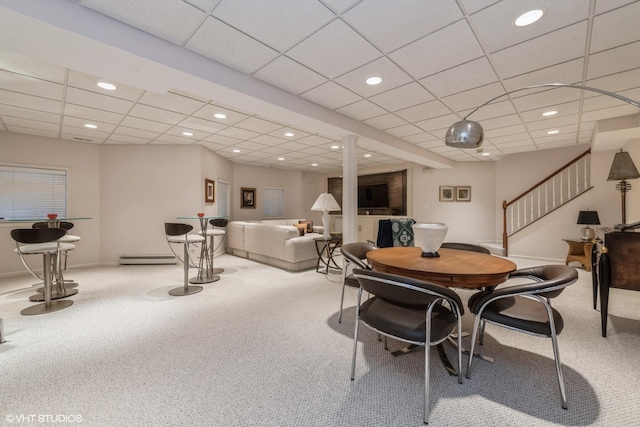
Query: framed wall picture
<point x="248" y="198"/>
<point x="463" y="193"/>
<point x="447" y="193"/>
<point x="209" y="191"/>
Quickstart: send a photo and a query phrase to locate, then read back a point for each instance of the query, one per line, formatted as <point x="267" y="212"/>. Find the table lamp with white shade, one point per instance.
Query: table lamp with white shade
<point x="325" y="203"/>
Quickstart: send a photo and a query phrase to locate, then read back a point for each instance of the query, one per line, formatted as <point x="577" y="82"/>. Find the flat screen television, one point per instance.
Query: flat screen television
<point x="373" y="196"/>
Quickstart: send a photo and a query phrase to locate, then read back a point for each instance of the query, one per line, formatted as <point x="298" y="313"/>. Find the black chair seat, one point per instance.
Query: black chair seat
<point x="408" y="323"/>
<point x="518" y="312"/>
<point x="351" y="281"/>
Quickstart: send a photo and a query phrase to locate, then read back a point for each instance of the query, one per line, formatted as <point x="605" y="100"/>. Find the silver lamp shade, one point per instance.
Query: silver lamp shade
<point x="464" y="134"/>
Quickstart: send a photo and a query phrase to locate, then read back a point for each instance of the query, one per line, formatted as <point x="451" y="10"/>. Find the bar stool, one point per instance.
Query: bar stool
<point x="59" y="282"/>
<point x="221" y="223"/>
<point x="43" y="241"/>
<point x="178" y="233"/>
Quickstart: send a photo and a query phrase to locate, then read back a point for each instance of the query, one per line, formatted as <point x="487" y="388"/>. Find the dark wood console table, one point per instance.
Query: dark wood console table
<point x="618" y="267"/>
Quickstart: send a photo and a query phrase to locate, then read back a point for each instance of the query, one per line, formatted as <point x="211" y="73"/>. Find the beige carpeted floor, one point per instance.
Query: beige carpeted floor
<point x="262" y="347"/>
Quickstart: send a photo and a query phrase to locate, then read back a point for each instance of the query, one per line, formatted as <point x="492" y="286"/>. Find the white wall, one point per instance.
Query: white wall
<point x="82" y="162"/>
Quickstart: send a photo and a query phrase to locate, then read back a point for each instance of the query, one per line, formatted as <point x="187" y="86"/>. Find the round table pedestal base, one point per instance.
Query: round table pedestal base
<point x="42" y="308"/>
<point x="182" y="291"/>
<point x="54" y="295"/>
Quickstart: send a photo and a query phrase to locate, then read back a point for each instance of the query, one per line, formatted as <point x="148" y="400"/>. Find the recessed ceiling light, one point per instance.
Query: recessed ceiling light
<point x="367" y="155"/>
<point x="187" y="133"/>
<point x="288" y="134"/>
<point x="220" y="116"/>
<point x="90" y="126"/>
<point x="107" y="86"/>
<point x="486" y="154"/>
<point x="549" y="113"/>
<point x="335" y="147"/>
<point x="551" y="132"/>
<point x="280" y="158"/>
<point x="314" y="164"/>
<point x="529" y="18"/>
<point x="374" y="81"/>
<point x="236" y="151"/>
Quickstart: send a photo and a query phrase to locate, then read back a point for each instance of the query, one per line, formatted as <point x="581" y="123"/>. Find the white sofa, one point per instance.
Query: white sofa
<point x="275" y="242"/>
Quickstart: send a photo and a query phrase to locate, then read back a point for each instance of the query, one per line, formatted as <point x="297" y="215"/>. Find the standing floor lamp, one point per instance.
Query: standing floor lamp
<point x="623" y="169"/>
<point x="325" y="203"/>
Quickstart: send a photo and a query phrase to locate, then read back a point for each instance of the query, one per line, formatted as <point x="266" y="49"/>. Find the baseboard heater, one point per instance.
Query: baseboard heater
<point x="148" y="260"/>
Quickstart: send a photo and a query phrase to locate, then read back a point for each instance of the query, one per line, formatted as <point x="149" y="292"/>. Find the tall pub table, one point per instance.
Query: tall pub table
<point x="454" y="268"/>
<point x="59" y="283"/>
<point x="205" y="264"/>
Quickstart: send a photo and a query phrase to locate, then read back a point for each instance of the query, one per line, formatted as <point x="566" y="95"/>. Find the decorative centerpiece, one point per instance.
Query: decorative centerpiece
<point x="429" y="236"/>
<point x="52" y="216"/>
<point x="200" y="214"/>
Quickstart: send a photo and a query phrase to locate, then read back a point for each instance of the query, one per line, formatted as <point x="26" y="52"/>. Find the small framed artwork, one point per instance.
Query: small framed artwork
<point x="447" y="193"/>
<point x="248" y="197"/>
<point x="209" y="191"/>
<point x="463" y="194"/>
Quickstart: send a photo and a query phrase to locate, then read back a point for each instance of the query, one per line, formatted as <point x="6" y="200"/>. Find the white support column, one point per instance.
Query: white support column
<point x="349" y="189"/>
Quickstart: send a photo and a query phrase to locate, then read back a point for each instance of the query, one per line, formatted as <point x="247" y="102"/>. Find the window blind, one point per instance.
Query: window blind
<point x="273" y="204"/>
<point x="32" y="193"/>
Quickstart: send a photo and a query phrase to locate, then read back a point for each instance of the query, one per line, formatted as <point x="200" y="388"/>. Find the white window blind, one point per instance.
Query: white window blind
<point x="273" y="202"/>
<point x="32" y="193"/>
<point x="223" y="198"/>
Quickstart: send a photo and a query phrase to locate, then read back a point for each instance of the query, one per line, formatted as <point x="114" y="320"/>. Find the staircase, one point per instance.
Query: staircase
<point x="557" y="189"/>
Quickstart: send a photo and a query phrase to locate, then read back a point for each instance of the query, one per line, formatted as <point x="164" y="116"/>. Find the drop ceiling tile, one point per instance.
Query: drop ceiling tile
<point x="92" y="114"/>
<point x="93" y="134"/>
<point x="294" y="146"/>
<point x="547" y="98"/>
<point x="238" y="133"/>
<point x="287" y="74"/>
<point x="220" y="42"/>
<point x="506" y="131"/>
<point x="208" y="112"/>
<point x="88" y="82"/>
<point x="174" y="139"/>
<point x="442" y="122"/>
<point x="126" y="139"/>
<point x="101" y="102"/>
<point x="30" y="86"/>
<point x="195" y="123"/>
<point x="331" y="95"/>
<point x="423" y="111"/>
<point x="172" y="102"/>
<point x="268" y="140"/>
<point x="315" y="141"/>
<point x="474" y="97"/>
<point x="534" y="54"/>
<point x="167" y="19"/>
<point x="467" y="76"/>
<point x="31" y="67"/>
<point x="613" y="61"/>
<point x="23" y="113"/>
<point x="390" y="27"/>
<point x="414" y="60"/>
<point x="340" y="5"/>
<point x="496" y="30"/>
<point x="566" y="72"/>
<point x="140" y="133"/>
<point x="402" y="97"/>
<point x="318" y="52"/>
<point x="392" y="77"/>
<point x="31" y="124"/>
<point x="625" y="23"/>
<point x="520" y="138"/>
<point x="312" y="151"/>
<point x="428" y="145"/>
<point x="149" y="125"/>
<point x="276" y="151"/>
<point x="258" y="125"/>
<point x="79" y="123"/>
<point x="212" y="146"/>
<point x="615" y="83"/>
<point x="404" y="130"/>
<point x="281" y="24"/>
<point x="221" y="139"/>
<point x="553" y="123"/>
<point x="177" y="131"/>
<point x="153" y="113"/>
<point x="500" y="122"/>
<point x="31" y="131"/>
<point x="563" y="109"/>
<point x="602" y="7"/>
<point x="297" y="133"/>
<point x="564" y="131"/>
<point x="495" y="109"/>
<point x="385" y="121"/>
<point x="361" y="110"/>
<point x="420" y="138"/>
<point x="608" y="113"/>
<point x="29" y="102"/>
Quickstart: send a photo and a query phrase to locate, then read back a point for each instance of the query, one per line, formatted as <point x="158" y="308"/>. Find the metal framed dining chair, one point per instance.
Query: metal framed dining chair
<point x="410" y="311"/>
<point x="466" y="247"/>
<point x="355" y="256"/>
<point x="45" y="242"/>
<point x="525" y="307"/>
<point x="218" y="228"/>
<point x="179" y="233"/>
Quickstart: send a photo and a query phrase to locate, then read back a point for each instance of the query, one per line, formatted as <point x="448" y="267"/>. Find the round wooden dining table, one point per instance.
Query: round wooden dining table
<point x="453" y="268"/>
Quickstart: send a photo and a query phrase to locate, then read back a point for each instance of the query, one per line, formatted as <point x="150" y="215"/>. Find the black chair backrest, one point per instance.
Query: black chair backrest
<point x="385" y="235"/>
<point x="399" y="289"/>
<point x="37" y="235"/>
<point x="176" y="229"/>
<point x="63" y="224"/>
<point x="466" y="247"/>
<point x="357" y="252"/>
<point x="219" y="222"/>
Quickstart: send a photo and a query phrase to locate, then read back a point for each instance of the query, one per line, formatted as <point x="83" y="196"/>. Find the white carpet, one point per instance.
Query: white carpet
<point x="262" y="347"/>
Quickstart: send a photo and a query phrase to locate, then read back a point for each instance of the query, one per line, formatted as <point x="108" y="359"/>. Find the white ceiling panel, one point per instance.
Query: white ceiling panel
<point x="424" y="111"/>
<point x="29" y="102"/>
<point x="317" y="53"/>
<point x="98" y="101"/>
<point x="405" y="130"/>
<point x="79" y="123"/>
<point x="362" y="110"/>
<point x="32" y="131"/>
<point x="93" y="134"/>
<point x="287" y="74"/>
<point x="32" y="124"/>
<point x="222" y="140"/>
<point x="126" y="139"/>
<point x="442" y="122"/>
<point x="623" y="22"/>
<point x="613" y="61"/>
<point x="402" y="97"/>
<point x="24" y="65"/>
<point x="92" y="114"/>
<point x="476" y="73"/>
<point x="139" y="133"/>
<point x="195" y="123"/>
<point x="7" y="110"/>
<point x="238" y="133"/>
<point x="149" y="125"/>
<point x="172" y="102"/>
<point x="209" y="111"/>
<point x="331" y="95"/>
<point x="277" y="23"/>
<point x="385" y="121"/>
<point x="259" y="125"/>
<point x="220" y="42"/>
<point x="173" y="139"/>
<point x="88" y="82"/>
<point x="30" y="86"/>
<point x="566" y="72"/>
<point x="356" y="80"/>
<point x="152" y="113"/>
<point x="297" y="133"/>
<point x="604" y="6"/>
<point x="473" y="98"/>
